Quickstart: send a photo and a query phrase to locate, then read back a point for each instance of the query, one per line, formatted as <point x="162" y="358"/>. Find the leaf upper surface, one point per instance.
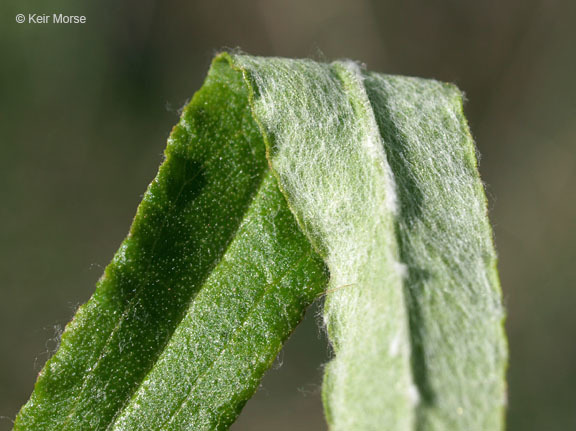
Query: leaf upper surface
<point x="212" y="278"/>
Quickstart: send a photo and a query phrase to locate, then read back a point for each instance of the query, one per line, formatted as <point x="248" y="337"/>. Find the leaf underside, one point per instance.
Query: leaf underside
<point x="279" y="173"/>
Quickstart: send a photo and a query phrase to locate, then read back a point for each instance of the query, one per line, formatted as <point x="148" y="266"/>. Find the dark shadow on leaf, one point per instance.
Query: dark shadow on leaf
<point x="410" y="200"/>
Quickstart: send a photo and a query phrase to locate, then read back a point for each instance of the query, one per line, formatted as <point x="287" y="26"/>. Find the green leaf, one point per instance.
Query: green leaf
<point x="212" y="278"/>
<point x="278" y="171"/>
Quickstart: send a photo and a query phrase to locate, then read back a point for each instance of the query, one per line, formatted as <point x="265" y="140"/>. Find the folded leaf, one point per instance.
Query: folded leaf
<point x="278" y="172"/>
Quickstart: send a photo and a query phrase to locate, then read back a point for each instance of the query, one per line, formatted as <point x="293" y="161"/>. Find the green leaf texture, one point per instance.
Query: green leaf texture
<point x="279" y="173"/>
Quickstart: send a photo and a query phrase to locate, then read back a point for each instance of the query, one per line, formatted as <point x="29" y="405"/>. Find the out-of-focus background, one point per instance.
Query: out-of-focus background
<point x="85" y="110"/>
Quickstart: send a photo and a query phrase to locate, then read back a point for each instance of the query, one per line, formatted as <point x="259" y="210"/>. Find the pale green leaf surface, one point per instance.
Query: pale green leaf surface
<point x="379" y="174"/>
<point x="459" y="352"/>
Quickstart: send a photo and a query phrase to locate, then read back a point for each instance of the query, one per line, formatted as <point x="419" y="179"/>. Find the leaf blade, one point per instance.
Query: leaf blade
<point x="353" y="162"/>
<point x="214" y="177"/>
<point x="426" y="153"/>
<point x="445" y="239"/>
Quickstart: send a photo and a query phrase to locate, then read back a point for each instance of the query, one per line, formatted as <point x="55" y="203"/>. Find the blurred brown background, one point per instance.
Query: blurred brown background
<point x="85" y="111"/>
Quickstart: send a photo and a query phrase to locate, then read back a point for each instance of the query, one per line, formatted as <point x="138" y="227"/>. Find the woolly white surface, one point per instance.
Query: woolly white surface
<point x="329" y="157"/>
<point x="413" y="310"/>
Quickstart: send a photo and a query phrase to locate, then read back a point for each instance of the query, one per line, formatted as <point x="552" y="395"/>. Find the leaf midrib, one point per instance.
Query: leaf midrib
<point x="233" y="338"/>
<point x="125" y="312"/>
